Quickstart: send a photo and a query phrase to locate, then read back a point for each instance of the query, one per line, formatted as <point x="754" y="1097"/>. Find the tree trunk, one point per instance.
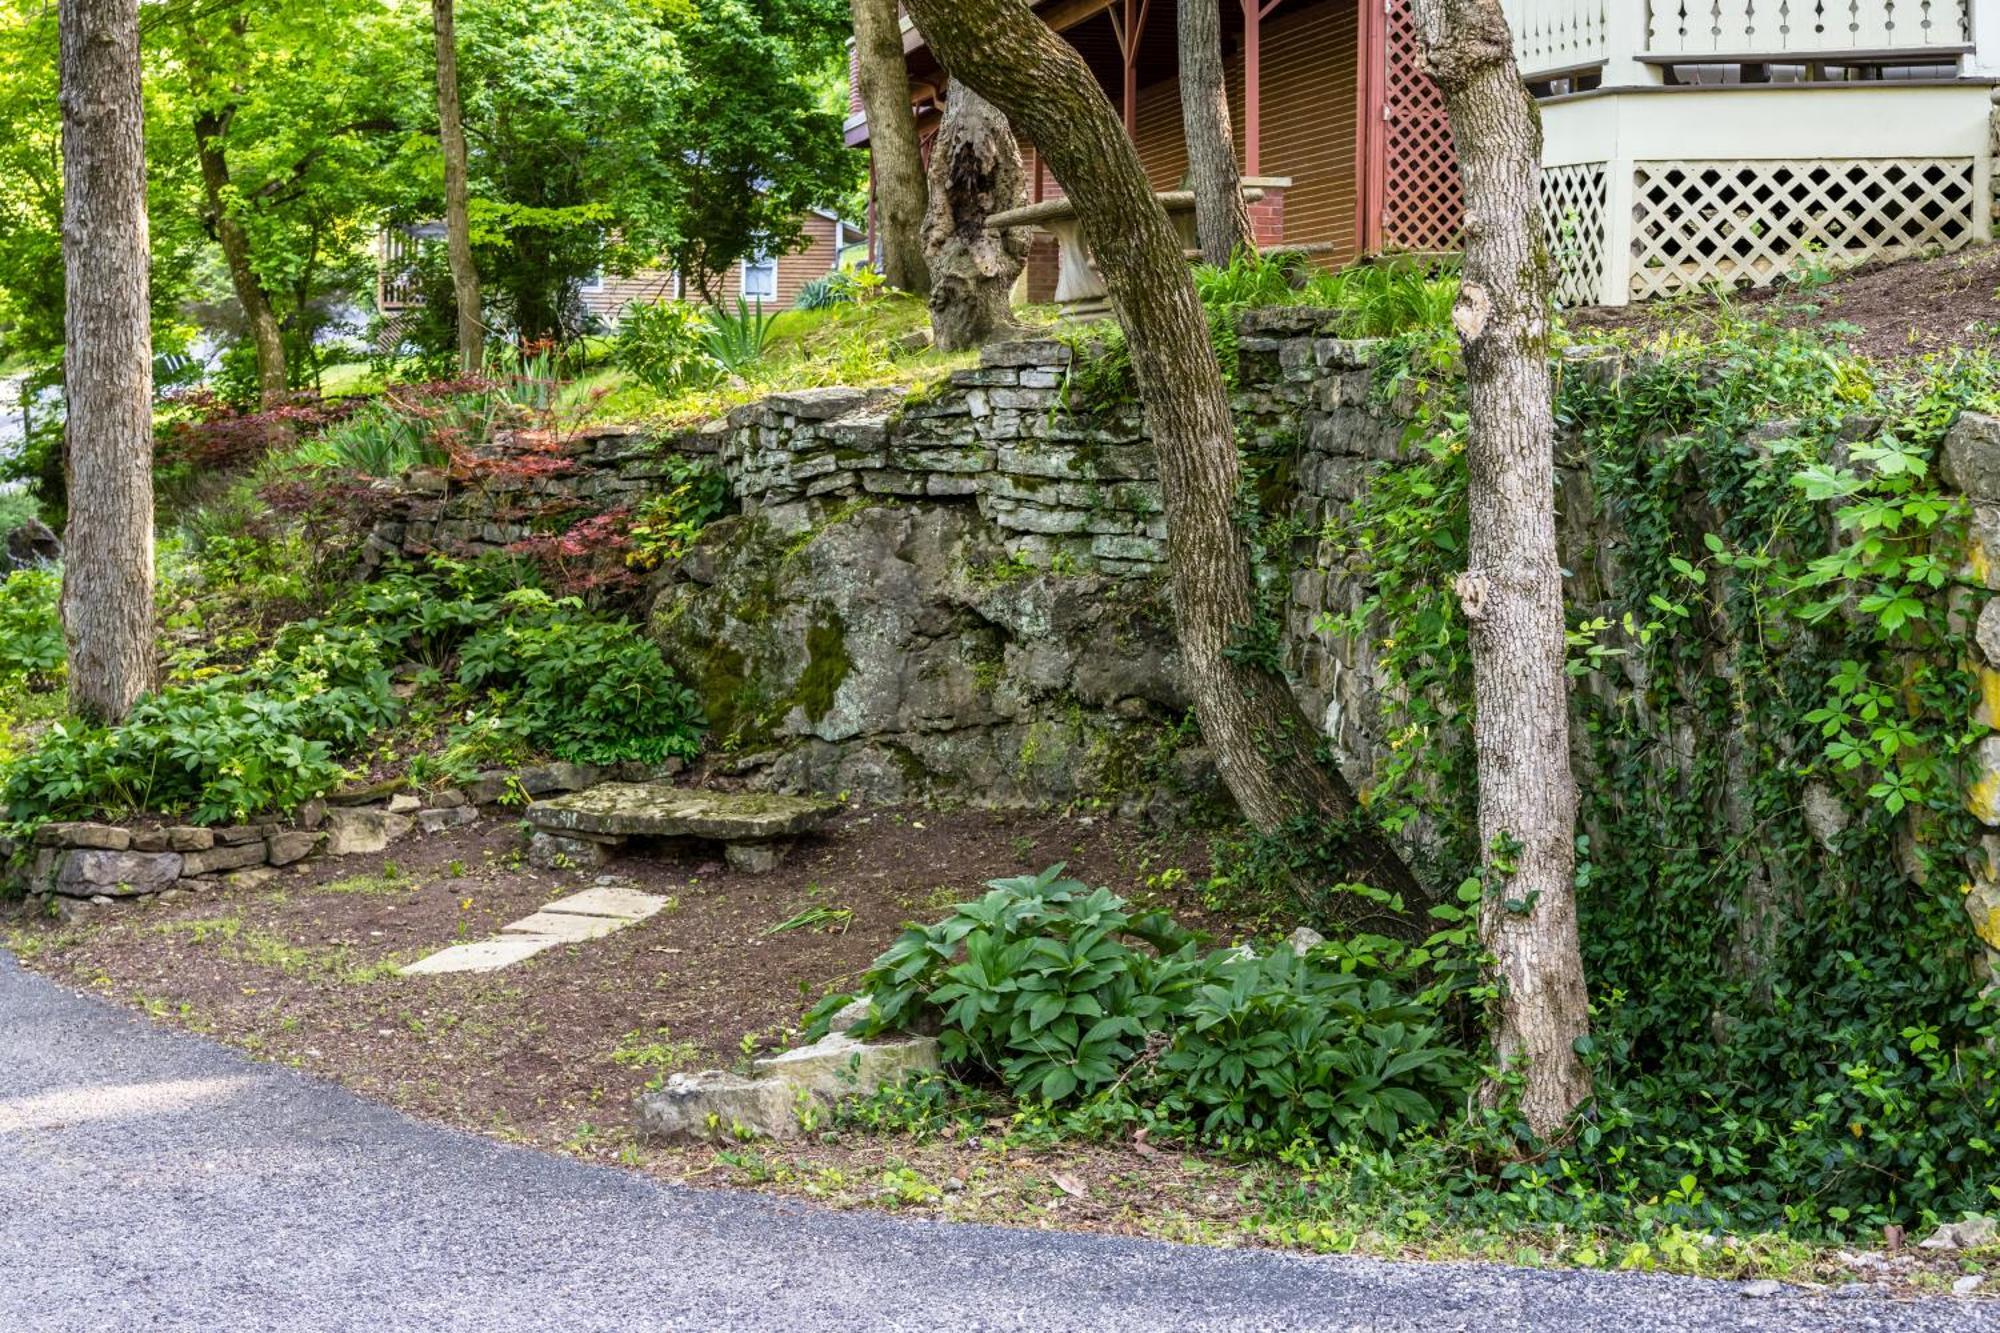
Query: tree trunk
<point x="273" y="384"/>
<point x="1511" y="592"/>
<point x="892" y="144"/>
<point x="457" y="194"/>
<point x="1221" y="218"/>
<point x="975" y="173"/>
<point x="1265" y="748"/>
<point x="107" y="596"/>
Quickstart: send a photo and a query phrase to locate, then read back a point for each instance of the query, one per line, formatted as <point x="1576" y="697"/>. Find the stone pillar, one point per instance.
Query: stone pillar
<point x="1972" y="464"/>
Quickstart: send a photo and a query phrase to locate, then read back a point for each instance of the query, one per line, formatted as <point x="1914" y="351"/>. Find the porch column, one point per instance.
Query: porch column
<point x="1128" y="25"/>
<point x="1254" y="14"/>
<point x="1984" y="59"/>
<point x="1625" y="40"/>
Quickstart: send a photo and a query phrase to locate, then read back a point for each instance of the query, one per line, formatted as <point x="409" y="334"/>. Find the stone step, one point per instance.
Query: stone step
<point x="656" y="810"/>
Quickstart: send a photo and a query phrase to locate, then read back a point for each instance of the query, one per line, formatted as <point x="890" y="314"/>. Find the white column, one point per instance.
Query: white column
<point x="1625" y="39"/>
<point x="1984" y="59"/>
<point x="1617" y="288"/>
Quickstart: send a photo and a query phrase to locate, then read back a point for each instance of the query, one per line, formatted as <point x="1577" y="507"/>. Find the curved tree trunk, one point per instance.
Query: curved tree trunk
<point x="975" y="172"/>
<point x="1222" y="219"/>
<point x="266" y="335"/>
<point x="107" y="595"/>
<point x="1511" y="591"/>
<point x="892" y="144"/>
<point x="1265" y="748"/>
<point x="457" y="193"/>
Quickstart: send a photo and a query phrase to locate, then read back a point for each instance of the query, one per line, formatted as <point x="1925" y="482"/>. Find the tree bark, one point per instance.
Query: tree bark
<point x="1511" y="592"/>
<point x="273" y="382"/>
<point x="975" y="173"/>
<point x="892" y="144"/>
<point x="457" y="194"/>
<point x="1265" y="748"/>
<point x="1221" y="218"/>
<point x="107" y="595"/>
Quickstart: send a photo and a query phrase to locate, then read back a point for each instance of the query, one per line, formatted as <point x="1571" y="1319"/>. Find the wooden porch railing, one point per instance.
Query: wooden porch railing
<point x="1729" y="29"/>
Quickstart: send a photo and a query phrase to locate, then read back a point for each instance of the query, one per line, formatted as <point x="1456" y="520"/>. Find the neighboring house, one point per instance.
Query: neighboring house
<point x="774" y="280"/>
<point x="1686" y="141"/>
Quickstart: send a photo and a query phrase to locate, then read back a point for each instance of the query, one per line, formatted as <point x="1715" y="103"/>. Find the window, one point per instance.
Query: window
<point x="760" y="278"/>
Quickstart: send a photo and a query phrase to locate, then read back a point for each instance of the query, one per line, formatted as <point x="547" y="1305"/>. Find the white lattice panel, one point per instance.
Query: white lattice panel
<point x="1553" y="35"/>
<point x="1803" y="27"/>
<point x="1746" y="223"/>
<point x="1573" y="208"/>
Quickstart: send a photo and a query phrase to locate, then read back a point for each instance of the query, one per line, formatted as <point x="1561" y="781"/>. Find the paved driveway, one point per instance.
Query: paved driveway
<point x="155" y="1181"/>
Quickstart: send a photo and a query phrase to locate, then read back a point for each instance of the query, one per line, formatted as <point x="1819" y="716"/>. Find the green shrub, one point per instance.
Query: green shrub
<point x="661" y="343"/>
<point x="824" y="293"/>
<point x="1064" y="992"/>
<point x="31" y="637"/>
<point x="224" y="748"/>
<point x="590" y="690"/>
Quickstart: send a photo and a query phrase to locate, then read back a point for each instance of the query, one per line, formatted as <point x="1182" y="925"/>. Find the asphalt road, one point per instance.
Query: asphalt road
<point x="154" y="1181"/>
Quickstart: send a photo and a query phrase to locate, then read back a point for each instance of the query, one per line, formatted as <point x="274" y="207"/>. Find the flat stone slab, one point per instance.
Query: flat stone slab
<point x="655" y="810"/>
<point x="621" y="904"/>
<point x="483" y="956"/>
<point x="564" y="927"/>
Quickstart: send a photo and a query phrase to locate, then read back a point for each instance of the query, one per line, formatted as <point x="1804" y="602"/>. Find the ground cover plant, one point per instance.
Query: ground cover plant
<point x="523" y="672"/>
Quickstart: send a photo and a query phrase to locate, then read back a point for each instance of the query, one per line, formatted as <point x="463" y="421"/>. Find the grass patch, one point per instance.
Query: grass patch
<point x="236" y="940"/>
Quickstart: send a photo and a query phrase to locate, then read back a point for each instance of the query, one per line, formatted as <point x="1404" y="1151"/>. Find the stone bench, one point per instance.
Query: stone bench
<point x="585" y="828"/>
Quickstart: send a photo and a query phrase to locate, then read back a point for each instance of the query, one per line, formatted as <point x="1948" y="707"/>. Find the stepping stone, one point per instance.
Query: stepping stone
<point x="563" y="927"/>
<point x="754" y="825"/>
<point x="484" y="956"/>
<point x="623" y="904"/>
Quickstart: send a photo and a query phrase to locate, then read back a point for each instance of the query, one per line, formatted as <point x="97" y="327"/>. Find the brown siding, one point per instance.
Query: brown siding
<point x="795" y="270"/>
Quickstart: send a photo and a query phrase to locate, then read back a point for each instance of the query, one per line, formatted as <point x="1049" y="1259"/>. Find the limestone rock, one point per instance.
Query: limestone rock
<point x="852" y="1015"/>
<point x="715" y="1105"/>
<point x="754" y="858"/>
<point x="355" y="832"/>
<point x="1975" y="1230"/>
<point x="402" y="803"/>
<point x="293" y="845"/>
<point x="653" y="811"/>
<point x="840" y="1065"/>
<point x="97" y="873"/>
<point x="1972" y="456"/>
<point x="252" y="877"/>
<point x="557" y="851"/>
<point x="442" y="820"/>
<point x="103" y="837"/>
<point x="217" y="859"/>
<point x="1304" y="940"/>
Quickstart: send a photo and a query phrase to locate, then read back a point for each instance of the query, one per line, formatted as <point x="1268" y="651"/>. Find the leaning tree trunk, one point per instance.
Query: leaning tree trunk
<point x="1221" y="218"/>
<point x="1265" y="748"/>
<point x="1511" y="592"/>
<point x="266" y="335"/>
<point x="975" y="173"/>
<point x="457" y="194"/>
<point x="892" y="143"/>
<point x="107" y="596"/>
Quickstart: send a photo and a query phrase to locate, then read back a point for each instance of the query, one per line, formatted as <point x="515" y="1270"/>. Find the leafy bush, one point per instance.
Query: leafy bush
<point x="227" y="747"/>
<point x="662" y="343"/>
<point x="594" y="691"/>
<point x="1064" y="992"/>
<point x="31" y="637"/>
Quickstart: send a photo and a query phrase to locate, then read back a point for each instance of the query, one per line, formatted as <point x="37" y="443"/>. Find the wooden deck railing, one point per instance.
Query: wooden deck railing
<point x="1773" y="29"/>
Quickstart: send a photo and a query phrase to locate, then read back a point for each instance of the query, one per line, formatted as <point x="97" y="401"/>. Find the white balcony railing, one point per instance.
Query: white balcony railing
<point x="1804" y="28"/>
<point x="1553" y="35"/>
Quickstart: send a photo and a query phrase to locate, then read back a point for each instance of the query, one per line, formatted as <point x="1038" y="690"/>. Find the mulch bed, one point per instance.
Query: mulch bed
<point x="1900" y="310"/>
<point x="302" y="969"/>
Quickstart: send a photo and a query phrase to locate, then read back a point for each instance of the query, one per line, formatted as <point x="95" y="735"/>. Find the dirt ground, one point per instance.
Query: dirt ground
<point x="1893" y="311"/>
<point x="551" y="1051"/>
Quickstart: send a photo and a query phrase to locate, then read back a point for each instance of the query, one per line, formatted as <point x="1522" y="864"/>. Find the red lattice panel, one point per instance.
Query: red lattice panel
<point x="1421" y="206"/>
